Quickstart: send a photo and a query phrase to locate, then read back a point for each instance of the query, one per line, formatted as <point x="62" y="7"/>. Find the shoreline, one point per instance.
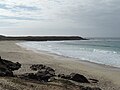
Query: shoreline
<point x="108" y="77"/>
<point x="71" y="58"/>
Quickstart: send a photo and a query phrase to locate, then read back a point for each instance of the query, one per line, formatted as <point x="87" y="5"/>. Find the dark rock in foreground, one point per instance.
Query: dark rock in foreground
<point x="75" y="77"/>
<point x="78" y="78"/>
<point x="6" y="67"/>
<point x="37" y="67"/>
<point x="43" y="73"/>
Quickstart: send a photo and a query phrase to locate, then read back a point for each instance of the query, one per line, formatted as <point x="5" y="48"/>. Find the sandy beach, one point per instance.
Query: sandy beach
<point x="109" y="77"/>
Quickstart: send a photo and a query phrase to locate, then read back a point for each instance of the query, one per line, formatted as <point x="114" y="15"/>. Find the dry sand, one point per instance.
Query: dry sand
<point x="109" y="77"/>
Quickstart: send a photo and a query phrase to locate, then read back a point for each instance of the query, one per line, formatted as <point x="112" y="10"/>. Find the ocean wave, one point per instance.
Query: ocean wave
<point x="109" y="56"/>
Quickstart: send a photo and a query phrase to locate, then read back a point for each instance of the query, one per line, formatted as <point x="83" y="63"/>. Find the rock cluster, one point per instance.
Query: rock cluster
<point x="43" y="73"/>
<point x="7" y="67"/>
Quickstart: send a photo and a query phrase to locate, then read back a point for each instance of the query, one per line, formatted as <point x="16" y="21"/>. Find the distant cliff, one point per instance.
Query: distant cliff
<point x="42" y="38"/>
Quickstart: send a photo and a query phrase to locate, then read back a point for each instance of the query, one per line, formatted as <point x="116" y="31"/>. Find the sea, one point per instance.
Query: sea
<point x="98" y="50"/>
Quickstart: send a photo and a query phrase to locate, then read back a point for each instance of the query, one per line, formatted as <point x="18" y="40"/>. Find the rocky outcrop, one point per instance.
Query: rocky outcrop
<point x="37" y="67"/>
<point x="41" y="67"/>
<point x="75" y="77"/>
<point x="43" y="73"/>
<point x="78" y="78"/>
<point x="7" y="67"/>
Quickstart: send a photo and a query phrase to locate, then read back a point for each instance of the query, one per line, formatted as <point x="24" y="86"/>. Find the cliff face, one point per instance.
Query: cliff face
<point x="43" y="38"/>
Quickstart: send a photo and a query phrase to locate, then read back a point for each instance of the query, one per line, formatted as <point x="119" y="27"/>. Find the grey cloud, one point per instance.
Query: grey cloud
<point x="4" y="6"/>
<point x="18" y="7"/>
<point x="16" y="18"/>
<point x="23" y="7"/>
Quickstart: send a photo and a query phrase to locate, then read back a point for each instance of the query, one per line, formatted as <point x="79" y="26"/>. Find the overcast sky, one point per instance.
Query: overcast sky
<point x="87" y="18"/>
